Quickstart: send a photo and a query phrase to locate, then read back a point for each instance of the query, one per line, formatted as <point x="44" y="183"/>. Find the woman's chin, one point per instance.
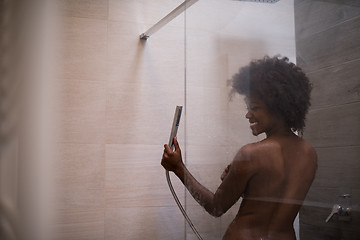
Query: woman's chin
<point x="255" y="132"/>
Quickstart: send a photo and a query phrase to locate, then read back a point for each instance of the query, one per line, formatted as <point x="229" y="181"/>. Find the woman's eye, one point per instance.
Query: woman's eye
<point x="252" y="108"/>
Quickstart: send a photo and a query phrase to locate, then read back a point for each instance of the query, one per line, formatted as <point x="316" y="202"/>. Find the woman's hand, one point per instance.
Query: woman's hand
<point x="172" y="160"/>
<point x="225" y="173"/>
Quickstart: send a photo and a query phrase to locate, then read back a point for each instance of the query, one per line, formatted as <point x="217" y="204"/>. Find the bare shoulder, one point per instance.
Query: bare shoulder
<point x="310" y="148"/>
<point x="259" y="149"/>
<point x="309" y="151"/>
<point x="253" y="154"/>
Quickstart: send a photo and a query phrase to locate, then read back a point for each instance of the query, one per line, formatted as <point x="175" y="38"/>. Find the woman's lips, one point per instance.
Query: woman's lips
<point x="253" y="124"/>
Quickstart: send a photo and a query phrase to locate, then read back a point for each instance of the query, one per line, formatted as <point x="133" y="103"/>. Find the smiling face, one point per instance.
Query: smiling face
<point x="261" y="119"/>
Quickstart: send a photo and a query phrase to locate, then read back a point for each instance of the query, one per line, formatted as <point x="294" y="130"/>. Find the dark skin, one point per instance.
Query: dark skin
<point x="273" y="176"/>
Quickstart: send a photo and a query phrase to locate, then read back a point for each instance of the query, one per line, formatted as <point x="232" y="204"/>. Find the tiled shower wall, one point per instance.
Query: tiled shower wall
<point x="327" y="37"/>
<point x="118" y="99"/>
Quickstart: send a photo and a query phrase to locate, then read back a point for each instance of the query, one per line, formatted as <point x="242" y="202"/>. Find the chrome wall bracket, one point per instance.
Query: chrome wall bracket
<point x="173" y="14"/>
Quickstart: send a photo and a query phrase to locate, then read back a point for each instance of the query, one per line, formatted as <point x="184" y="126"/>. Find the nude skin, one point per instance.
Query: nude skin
<point x="272" y="176"/>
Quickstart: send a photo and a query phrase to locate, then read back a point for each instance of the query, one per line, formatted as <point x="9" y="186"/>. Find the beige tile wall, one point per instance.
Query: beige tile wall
<point x="119" y="95"/>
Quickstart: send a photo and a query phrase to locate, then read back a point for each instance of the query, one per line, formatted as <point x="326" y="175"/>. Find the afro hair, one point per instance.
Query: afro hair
<point x="281" y="85"/>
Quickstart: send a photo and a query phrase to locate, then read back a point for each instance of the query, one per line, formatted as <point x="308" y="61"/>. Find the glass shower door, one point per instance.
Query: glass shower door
<point x="221" y="37"/>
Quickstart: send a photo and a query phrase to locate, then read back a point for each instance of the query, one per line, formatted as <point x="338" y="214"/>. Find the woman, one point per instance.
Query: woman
<point x="274" y="175"/>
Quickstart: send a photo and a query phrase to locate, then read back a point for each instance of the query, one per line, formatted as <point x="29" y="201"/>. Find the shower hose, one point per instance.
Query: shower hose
<point x="181" y="207"/>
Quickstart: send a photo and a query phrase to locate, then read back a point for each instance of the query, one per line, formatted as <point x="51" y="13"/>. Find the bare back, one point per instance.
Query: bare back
<point x="285" y="168"/>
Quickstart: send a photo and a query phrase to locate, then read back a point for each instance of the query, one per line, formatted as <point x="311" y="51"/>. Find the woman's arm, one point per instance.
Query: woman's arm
<point x="230" y="190"/>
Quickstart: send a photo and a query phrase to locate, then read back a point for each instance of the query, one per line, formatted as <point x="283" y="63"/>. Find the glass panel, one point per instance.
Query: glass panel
<point x="319" y="36"/>
<point x="117" y="97"/>
<point x="221" y="37"/>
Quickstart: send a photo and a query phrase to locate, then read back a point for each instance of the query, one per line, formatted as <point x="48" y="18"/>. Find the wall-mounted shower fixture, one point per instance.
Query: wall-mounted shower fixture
<point x="173" y="14"/>
<point x="342" y="209"/>
<point x="180" y="9"/>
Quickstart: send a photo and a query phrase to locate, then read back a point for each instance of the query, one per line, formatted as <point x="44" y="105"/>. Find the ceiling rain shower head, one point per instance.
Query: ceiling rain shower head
<point x="260" y="1"/>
